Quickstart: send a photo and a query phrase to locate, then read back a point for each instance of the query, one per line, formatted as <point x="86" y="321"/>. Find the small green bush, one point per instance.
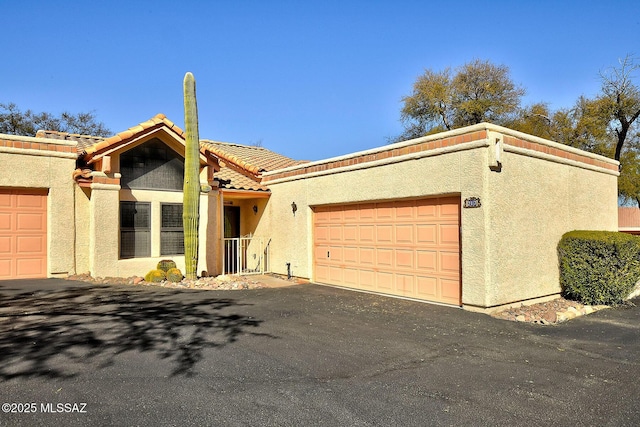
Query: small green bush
<point x="155" y="276"/>
<point x="166" y="265"/>
<point x="174" y="275"/>
<point x="598" y="267"/>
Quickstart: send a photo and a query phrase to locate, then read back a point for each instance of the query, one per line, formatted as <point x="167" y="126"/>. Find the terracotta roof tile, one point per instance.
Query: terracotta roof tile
<point x="83" y="141"/>
<point x="251" y="158"/>
<point x="232" y="179"/>
<point x="158" y="120"/>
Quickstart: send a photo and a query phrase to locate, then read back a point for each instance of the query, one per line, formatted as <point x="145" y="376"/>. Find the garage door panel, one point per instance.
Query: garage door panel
<point x="449" y="210"/>
<point x="366" y="212"/>
<point x="427" y="260"/>
<point x="384" y="258"/>
<point x="6" y="199"/>
<point x="335" y="274"/>
<point x="30" y="244"/>
<point x="322" y="215"/>
<point x="5" y="245"/>
<point x="367" y="233"/>
<point x="427" y="211"/>
<point x="408" y="248"/>
<point x="335" y="215"/>
<point x="404" y="234"/>
<point x="321" y="253"/>
<point x="384" y="281"/>
<point x="350" y="255"/>
<point x="427" y="234"/>
<point x="336" y="254"/>
<point x="6" y="222"/>
<point x="351" y="276"/>
<point x="449" y="262"/>
<point x="322" y="273"/>
<point x="335" y="233"/>
<point x="350" y="215"/>
<point x="29" y="267"/>
<point x="5" y="269"/>
<point x="404" y="211"/>
<point x="30" y="221"/>
<point x="350" y="233"/>
<point x="322" y="233"/>
<point x="384" y="213"/>
<point x="449" y="234"/>
<point x="367" y="256"/>
<point x="405" y="284"/>
<point x="404" y="259"/>
<point x="450" y="290"/>
<point x="367" y="280"/>
<point x="427" y="287"/>
<point x="384" y="234"/>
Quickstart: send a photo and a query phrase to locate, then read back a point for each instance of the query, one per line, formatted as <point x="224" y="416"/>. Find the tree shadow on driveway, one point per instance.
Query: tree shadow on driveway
<point x="52" y="332"/>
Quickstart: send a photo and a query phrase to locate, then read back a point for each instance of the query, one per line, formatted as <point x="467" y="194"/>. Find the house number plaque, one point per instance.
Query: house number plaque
<point x="472" y="202"/>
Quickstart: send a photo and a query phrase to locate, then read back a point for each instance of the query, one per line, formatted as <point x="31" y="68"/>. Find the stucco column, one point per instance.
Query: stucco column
<point x="104" y="229"/>
<point x="210" y="233"/>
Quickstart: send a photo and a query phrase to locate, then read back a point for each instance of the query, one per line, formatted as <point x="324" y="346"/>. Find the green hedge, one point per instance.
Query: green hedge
<point x="598" y="267"/>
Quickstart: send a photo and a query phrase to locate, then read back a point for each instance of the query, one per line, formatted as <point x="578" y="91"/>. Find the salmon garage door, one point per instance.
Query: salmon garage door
<point x="408" y="248"/>
<point x="23" y="234"/>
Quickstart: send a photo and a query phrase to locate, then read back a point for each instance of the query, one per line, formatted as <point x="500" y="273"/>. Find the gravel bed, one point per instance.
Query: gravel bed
<point x="213" y="283"/>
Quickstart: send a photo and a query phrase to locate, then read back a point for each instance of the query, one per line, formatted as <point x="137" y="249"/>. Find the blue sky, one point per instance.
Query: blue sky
<point x="308" y="79"/>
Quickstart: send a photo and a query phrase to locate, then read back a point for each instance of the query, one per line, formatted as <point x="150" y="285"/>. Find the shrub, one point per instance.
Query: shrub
<point x="166" y="265"/>
<point x="598" y="267"/>
<point x="155" y="276"/>
<point x="174" y="275"/>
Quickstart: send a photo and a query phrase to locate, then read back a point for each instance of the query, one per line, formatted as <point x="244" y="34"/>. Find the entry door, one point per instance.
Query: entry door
<point x="231" y="231"/>
<point x="408" y="248"/>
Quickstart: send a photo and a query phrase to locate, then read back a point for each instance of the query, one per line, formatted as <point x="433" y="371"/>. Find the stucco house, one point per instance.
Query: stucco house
<point x="469" y="217"/>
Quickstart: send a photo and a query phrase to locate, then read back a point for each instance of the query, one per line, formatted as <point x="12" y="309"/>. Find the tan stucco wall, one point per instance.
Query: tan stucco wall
<point x="103" y="230"/>
<point x="508" y="245"/>
<point x="52" y="170"/>
<point x="106" y="243"/>
<point x="532" y="203"/>
<point x="82" y="231"/>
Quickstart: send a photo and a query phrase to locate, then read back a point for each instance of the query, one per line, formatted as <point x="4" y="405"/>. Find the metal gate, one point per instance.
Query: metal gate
<point x="244" y="255"/>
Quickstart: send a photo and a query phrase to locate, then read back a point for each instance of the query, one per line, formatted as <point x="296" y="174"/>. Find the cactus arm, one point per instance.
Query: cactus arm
<point x="191" y="189"/>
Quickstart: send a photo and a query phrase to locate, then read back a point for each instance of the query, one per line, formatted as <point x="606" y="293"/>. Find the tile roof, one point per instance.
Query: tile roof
<point x="244" y="164"/>
<point x="232" y="179"/>
<point x="157" y="121"/>
<point x="241" y="165"/>
<point x="249" y="157"/>
<point x="83" y="141"/>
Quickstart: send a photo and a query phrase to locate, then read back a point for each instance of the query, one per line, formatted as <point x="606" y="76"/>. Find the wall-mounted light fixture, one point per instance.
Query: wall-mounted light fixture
<point x="255" y="209"/>
<point x="294" y="208"/>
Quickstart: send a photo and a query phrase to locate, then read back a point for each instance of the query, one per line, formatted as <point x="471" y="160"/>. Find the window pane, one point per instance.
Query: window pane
<point x="171" y="231"/>
<point x="135" y="215"/>
<point x="171" y="215"/>
<point x="135" y="225"/>
<point x="172" y="243"/>
<point x="134" y="244"/>
<point x="152" y="165"/>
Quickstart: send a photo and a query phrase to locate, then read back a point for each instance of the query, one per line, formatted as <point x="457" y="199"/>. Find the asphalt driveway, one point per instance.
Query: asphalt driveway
<point x="78" y="354"/>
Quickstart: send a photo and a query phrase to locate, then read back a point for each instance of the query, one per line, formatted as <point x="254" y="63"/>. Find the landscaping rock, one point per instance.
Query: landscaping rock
<point x="547" y="313"/>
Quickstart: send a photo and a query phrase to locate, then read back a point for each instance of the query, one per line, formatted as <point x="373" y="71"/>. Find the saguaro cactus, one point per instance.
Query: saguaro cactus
<point x="191" y="189"/>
